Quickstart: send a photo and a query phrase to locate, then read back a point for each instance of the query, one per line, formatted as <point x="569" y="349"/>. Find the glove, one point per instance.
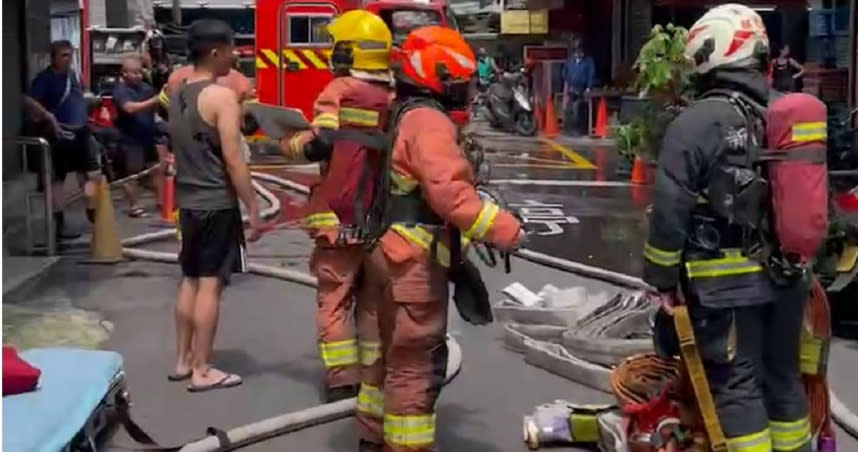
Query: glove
<point x="470" y="294"/>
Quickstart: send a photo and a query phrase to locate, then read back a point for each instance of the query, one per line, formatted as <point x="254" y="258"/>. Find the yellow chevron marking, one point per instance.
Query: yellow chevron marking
<point x="327" y="54"/>
<point x="272" y="57"/>
<point x="310" y="55"/>
<point x="260" y="63"/>
<point x="289" y="55"/>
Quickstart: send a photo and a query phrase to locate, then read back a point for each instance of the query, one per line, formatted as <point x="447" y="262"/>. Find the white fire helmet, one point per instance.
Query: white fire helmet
<point x="727" y="36"/>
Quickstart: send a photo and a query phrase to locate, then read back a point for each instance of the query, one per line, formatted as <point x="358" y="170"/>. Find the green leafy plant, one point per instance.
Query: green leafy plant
<point x="663" y="78"/>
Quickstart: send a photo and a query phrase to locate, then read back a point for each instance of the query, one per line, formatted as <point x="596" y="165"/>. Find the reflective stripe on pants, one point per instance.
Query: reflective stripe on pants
<point x="370" y="400"/>
<point x="339" y="353"/>
<point x="790" y="436"/>
<point x="415" y="430"/>
<point x="755" y="442"/>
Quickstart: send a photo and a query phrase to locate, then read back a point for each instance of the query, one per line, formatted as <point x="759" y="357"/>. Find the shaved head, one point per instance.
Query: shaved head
<point x="132" y="69"/>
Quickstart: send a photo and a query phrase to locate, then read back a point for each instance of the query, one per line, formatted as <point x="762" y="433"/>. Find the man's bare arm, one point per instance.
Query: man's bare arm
<point x="132" y="107"/>
<point x="227" y="120"/>
<point x="35" y="109"/>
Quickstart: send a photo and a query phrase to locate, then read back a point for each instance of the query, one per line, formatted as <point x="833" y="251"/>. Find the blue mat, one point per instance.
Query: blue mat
<point x="71" y="387"/>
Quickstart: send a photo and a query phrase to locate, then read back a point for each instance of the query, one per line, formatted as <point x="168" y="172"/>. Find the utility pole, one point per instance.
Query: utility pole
<point x="177" y="12"/>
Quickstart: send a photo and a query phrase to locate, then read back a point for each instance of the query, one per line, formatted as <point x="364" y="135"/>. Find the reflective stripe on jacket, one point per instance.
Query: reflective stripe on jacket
<point x="345" y="103"/>
<point x="426" y="155"/>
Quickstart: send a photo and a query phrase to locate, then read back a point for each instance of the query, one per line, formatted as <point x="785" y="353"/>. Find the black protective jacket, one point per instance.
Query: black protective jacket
<point x="693" y="144"/>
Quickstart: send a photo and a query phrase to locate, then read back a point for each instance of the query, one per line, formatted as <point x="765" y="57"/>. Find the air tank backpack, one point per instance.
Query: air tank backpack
<point x="778" y="188"/>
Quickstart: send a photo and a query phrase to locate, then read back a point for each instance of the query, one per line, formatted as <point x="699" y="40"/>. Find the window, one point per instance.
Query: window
<point x="308" y="30"/>
<point x="402" y="21"/>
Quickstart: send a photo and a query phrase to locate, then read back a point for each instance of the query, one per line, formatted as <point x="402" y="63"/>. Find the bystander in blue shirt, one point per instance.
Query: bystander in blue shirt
<point x="579" y="73"/>
<point x="60" y="93"/>
<point x="138" y="128"/>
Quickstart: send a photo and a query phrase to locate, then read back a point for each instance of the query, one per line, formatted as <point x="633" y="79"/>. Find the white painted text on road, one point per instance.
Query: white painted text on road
<point x="549" y="215"/>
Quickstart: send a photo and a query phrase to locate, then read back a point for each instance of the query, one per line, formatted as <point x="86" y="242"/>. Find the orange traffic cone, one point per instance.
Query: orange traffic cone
<point x="168" y="201"/>
<point x="601" y="119"/>
<point x="105" y="246"/>
<point x="639" y="171"/>
<point x="550" y="128"/>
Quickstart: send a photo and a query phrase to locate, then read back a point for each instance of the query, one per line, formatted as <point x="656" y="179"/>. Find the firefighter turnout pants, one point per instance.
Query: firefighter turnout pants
<point x="751" y="359"/>
<point x="397" y="408"/>
<point x="342" y="305"/>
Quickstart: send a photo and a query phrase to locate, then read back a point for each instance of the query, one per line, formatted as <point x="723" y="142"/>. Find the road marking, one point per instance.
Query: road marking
<point x="562" y="183"/>
<point x="577" y="159"/>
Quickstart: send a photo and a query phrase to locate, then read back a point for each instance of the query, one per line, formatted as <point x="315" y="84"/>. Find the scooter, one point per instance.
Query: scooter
<point x="508" y="104"/>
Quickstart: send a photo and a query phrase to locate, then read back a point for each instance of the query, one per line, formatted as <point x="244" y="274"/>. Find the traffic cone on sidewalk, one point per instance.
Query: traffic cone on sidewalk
<point x="550" y="128"/>
<point x="105" y="247"/>
<point x="601" y="119"/>
<point x="639" y="171"/>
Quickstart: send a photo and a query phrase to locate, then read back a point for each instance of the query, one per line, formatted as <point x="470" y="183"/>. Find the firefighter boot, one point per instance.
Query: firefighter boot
<point x="341" y="393"/>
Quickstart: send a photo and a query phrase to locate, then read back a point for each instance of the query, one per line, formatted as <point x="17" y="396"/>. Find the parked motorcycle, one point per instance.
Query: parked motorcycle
<point x="508" y="104"/>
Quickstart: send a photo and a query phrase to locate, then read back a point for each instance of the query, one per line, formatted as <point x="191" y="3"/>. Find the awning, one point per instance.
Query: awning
<point x="752" y="4"/>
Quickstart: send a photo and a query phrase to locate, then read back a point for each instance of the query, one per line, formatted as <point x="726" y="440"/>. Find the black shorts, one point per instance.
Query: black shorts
<point x="132" y="158"/>
<point x="212" y="243"/>
<point x="76" y="155"/>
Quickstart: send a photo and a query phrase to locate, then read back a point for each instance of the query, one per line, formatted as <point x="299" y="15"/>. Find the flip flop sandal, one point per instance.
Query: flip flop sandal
<point x="136" y="212"/>
<point x="179" y="377"/>
<point x="228" y="381"/>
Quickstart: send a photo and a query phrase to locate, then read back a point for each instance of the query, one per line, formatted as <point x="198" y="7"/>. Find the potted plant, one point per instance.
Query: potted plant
<point x="663" y="84"/>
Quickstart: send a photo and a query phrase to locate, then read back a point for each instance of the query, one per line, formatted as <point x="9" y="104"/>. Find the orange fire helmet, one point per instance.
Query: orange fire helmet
<point x="434" y="58"/>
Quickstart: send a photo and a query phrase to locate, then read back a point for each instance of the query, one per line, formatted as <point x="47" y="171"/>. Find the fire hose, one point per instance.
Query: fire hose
<point x="570" y="367"/>
<point x="289" y="422"/>
<point x="844" y="417"/>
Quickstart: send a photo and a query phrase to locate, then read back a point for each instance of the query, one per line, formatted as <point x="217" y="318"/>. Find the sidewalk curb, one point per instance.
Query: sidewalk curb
<point x="20" y="286"/>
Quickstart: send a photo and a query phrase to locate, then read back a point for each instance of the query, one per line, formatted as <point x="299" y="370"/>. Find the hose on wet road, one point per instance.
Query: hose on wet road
<point x="289" y="422"/>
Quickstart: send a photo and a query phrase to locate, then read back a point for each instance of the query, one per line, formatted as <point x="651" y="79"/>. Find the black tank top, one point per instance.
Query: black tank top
<point x="202" y="182"/>
<point x="782" y="74"/>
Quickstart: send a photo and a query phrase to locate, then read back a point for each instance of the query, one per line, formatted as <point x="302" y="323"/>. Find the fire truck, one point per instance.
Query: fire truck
<point x="293" y="48"/>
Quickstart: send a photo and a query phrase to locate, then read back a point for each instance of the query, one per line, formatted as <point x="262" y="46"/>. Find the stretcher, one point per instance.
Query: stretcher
<point x="75" y="404"/>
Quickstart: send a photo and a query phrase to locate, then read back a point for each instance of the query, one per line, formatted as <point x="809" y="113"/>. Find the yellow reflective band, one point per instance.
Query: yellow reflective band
<point x="790" y="435"/>
<point x="359" y="116"/>
<point x="733" y="263"/>
<point x="290" y="56"/>
<point x="370" y="400"/>
<point x="809" y="131"/>
<point x="661" y="257"/>
<point x="163" y="98"/>
<point x="423" y="238"/>
<point x="369" y="352"/>
<point x="755" y="442"/>
<point x="409" y="430"/>
<point x="295" y="146"/>
<point x="585" y="428"/>
<point x="260" y="63"/>
<point x="339" y="353"/>
<point x="813" y="353"/>
<point x="484" y="222"/>
<point x="320" y="220"/>
<point x="326" y="121"/>
<point x="402" y="185"/>
<point x="314" y="60"/>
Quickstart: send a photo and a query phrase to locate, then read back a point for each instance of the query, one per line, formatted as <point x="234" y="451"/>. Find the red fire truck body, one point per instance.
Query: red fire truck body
<point x="293" y="48"/>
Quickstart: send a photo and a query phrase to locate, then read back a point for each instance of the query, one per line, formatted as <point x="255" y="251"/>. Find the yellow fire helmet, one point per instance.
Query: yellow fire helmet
<point x="361" y="41"/>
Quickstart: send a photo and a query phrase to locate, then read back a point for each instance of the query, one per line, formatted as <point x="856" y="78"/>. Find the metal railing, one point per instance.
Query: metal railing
<point x="47" y="180"/>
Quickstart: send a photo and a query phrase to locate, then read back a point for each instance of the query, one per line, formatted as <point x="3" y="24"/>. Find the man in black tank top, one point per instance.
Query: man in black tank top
<point x="211" y="176"/>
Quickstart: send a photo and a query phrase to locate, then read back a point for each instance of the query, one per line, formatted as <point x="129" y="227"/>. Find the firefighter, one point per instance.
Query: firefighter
<point x="356" y="99"/>
<point x="745" y="313"/>
<point x="431" y="198"/>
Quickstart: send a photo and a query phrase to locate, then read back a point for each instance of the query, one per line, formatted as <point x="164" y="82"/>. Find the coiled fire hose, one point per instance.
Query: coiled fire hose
<point x="289" y="422"/>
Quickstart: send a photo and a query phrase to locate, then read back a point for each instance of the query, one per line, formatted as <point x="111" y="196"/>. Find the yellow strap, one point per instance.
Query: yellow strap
<point x="694" y="364"/>
<point x="848" y="259"/>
